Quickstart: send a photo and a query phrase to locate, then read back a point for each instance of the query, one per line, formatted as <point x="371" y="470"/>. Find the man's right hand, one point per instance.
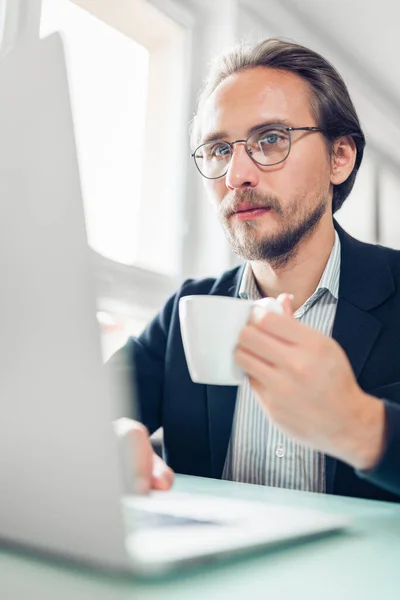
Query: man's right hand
<point x="150" y="471"/>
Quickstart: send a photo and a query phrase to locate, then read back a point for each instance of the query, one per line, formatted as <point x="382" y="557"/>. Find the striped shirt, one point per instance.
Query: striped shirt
<point x="258" y="451"/>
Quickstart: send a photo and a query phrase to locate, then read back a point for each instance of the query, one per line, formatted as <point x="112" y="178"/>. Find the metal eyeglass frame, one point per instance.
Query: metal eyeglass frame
<point x="230" y="144"/>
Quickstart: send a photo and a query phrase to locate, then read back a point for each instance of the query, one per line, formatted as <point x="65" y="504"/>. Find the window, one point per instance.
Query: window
<point x="125" y="62"/>
<point x="389" y="200"/>
<point x="126" y="94"/>
<point x="108" y="82"/>
<point x="358" y="213"/>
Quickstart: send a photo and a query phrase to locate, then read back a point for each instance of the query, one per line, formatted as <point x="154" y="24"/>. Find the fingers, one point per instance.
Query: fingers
<point x="282" y="326"/>
<point x="136" y="456"/>
<point x="162" y="476"/>
<point x="142" y="459"/>
<point x="253" y="366"/>
<point x="268" y="348"/>
<point x="286" y="328"/>
<point x="285" y="300"/>
<point x="150" y="471"/>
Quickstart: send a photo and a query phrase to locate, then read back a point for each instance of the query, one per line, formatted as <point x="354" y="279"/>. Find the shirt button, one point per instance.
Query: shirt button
<point x="280" y="452"/>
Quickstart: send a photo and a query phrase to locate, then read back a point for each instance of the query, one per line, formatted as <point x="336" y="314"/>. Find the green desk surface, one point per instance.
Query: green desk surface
<point x="359" y="564"/>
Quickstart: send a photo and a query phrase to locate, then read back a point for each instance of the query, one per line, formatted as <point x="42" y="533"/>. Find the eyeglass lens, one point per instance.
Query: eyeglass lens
<point x="267" y="146"/>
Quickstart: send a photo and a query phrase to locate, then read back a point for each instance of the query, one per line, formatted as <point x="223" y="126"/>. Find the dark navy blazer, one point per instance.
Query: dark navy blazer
<point x="197" y="419"/>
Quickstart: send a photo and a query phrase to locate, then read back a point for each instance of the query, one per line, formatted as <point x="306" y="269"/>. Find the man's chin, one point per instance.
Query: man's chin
<point x="262" y="228"/>
<point x="254" y="235"/>
<point x="248" y="249"/>
<point x="259" y="245"/>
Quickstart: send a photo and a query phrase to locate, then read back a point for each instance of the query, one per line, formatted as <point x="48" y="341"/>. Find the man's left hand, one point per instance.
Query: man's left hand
<point x="305" y="383"/>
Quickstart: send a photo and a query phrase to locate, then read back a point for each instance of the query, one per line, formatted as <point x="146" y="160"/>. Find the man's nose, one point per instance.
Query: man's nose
<point x="242" y="171"/>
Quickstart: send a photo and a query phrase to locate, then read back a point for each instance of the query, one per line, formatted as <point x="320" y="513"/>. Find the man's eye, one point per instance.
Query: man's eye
<point x="219" y="151"/>
<point x="270" y="138"/>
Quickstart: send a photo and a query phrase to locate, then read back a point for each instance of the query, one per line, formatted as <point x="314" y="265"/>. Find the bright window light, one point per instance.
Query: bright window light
<point x="108" y="74"/>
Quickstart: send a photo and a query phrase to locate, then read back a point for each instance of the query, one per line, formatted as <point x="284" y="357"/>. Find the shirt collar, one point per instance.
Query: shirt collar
<point x="329" y="281"/>
<point x="330" y="277"/>
<point x="248" y="289"/>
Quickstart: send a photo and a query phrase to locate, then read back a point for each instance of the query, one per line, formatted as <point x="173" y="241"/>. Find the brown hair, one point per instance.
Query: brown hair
<point x="331" y="103"/>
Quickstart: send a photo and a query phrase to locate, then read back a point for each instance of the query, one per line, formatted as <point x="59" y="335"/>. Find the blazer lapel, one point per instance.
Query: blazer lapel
<point x="356" y="331"/>
<point x="365" y="282"/>
<point x="221" y="407"/>
<point x="221" y="400"/>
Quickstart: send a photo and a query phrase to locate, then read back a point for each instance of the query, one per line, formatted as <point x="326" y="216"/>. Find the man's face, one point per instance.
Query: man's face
<point x="292" y="196"/>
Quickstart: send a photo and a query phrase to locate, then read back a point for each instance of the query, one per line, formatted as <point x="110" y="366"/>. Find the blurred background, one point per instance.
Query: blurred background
<point x="135" y="69"/>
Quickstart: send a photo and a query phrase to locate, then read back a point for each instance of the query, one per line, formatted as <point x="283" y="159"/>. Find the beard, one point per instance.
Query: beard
<point x="277" y="249"/>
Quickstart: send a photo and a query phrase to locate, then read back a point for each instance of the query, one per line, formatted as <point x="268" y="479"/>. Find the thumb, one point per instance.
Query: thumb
<point x="285" y="300"/>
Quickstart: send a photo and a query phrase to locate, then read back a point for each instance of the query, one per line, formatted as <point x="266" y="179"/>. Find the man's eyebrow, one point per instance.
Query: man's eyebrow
<point x="222" y="135"/>
<point x="213" y="136"/>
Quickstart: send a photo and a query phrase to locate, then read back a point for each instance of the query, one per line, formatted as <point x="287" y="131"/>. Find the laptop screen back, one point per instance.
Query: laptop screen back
<point x="59" y="468"/>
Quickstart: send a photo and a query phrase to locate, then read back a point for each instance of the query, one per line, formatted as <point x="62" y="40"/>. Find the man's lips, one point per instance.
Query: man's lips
<point x="245" y="211"/>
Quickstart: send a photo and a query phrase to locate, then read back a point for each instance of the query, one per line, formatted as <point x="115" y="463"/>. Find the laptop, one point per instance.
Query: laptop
<point x="62" y="477"/>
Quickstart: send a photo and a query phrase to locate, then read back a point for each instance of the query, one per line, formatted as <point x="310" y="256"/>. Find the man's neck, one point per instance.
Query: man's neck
<point x="301" y="275"/>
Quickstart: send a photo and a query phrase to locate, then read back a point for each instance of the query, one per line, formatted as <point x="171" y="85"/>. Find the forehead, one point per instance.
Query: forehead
<point x="256" y="96"/>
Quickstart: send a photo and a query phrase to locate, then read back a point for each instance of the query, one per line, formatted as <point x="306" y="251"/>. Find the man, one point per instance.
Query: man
<point x="278" y="143"/>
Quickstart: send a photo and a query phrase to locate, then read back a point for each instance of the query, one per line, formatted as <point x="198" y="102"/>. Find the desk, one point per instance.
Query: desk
<point x="361" y="564"/>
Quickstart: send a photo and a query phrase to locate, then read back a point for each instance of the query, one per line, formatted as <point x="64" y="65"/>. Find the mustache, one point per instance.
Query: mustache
<point x="232" y="200"/>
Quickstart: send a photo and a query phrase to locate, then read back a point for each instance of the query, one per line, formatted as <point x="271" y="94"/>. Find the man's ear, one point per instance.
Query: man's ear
<point x="343" y="159"/>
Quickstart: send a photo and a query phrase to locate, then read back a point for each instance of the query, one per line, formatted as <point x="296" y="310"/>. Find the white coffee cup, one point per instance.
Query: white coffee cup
<point x="210" y="327"/>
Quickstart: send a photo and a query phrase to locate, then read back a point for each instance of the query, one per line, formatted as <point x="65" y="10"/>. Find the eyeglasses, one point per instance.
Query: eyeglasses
<point x="267" y="146"/>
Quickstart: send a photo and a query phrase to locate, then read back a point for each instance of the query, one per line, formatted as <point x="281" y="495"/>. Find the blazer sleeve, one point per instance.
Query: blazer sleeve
<point x="386" y="474"/>
<point x="142" y="362"/>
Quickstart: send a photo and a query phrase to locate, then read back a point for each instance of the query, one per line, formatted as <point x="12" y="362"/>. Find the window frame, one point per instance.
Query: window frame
<point x="131" y="286"/>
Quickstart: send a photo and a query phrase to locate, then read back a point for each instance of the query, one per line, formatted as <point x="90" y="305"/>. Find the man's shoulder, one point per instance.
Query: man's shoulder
<point x="225" y="285"/>
<point x="370" y="254"/>
<point x="390" y="255"/>
<point x="168" y="317"/>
